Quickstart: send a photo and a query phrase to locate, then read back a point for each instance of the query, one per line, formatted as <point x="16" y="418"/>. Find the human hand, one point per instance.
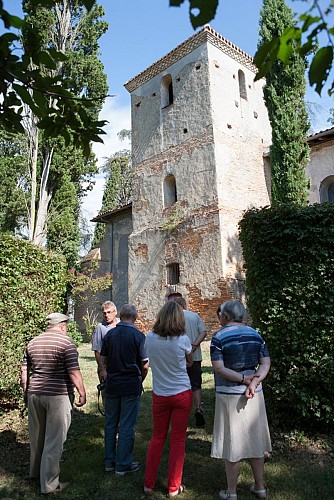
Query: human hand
<point x="82" y="400"/>
<point x="250" y="391"/>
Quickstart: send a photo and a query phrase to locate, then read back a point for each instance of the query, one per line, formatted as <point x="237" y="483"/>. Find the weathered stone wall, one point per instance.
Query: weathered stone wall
<point x="113" y="257"/>
<point x="212" y="143"/>
<point x="241" y="132"/>
<point x="321" y="166"/>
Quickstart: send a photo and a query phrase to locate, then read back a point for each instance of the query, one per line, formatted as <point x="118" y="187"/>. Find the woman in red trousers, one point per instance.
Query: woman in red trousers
<point x="169" y="352"/>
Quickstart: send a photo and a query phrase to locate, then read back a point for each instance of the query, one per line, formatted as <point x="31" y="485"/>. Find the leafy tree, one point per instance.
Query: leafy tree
<point x="312" y="23"/>
<point x="284" y="95"/>
<point x="85" y="289"/>
<point x="13" y="167"/>
<point x="58" y="169"/>
<point x="331" y="116"/>
<point x="31" y="79"/>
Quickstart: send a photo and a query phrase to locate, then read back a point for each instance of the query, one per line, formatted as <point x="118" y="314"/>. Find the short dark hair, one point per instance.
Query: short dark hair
<point x="170" y="320"/>
<point x="128" y="311"/>
<point x="181" y="301"/>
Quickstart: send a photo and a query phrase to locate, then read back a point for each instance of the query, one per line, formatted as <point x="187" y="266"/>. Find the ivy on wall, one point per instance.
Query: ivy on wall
<point x="32" y="285"/>
<point x="289" y="260"/>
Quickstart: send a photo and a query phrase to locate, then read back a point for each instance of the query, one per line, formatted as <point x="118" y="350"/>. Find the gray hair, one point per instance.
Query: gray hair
<point x="108" y="303"/>
<point x="233" y="310"/>
<point x="128" y="312"/>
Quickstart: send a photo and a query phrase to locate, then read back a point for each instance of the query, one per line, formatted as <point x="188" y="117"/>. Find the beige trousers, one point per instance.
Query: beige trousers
<point x="49" y="418"/>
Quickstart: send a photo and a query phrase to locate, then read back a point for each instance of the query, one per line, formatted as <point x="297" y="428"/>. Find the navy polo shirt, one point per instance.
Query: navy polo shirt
<point x="124" y="348"/>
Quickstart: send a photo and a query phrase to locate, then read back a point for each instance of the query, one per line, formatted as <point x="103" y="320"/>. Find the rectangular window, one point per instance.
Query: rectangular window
<point x="173" y="274"/>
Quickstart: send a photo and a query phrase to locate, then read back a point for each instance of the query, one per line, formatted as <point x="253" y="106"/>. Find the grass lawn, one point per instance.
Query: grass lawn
<point x="301" y="468"/>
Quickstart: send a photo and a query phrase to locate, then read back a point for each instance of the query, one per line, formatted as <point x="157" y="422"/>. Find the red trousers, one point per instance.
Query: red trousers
<point x="165" y="409"/>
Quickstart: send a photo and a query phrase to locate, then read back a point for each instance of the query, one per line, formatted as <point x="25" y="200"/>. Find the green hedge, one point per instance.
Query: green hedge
<point x="32" y="285"/>
<point x="289" y="261"/>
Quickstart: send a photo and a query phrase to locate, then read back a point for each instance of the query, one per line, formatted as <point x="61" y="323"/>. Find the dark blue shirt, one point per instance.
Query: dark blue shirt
<point x="124" y="348"/>
<point x="240" y="347"/>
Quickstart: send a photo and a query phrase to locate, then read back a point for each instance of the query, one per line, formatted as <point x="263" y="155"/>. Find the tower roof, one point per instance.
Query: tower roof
<point x="205" y="35"/>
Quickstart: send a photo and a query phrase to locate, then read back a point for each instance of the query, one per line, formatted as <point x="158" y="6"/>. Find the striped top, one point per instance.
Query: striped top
<point x="240" y="347"/>
<point x="50" y="356"/>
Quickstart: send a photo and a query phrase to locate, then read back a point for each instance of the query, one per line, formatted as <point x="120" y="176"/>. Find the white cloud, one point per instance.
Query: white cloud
<point x="119" y="118"/>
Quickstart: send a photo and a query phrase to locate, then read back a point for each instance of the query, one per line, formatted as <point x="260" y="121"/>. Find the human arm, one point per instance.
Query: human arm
<point x="198" y="340"/>
<point x="144" y="369"/>
<point x="76" y="379"/>
<point x="98" y="359"/>
<point x="102" y="363"/>
<point x="232" y="375"/>
<point x="189" y="359"/>
<point x="260" y="375"/>
<point x="24" y="380"/>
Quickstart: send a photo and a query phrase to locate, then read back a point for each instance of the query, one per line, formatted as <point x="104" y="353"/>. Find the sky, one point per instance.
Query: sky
<point x="141" y="32"/>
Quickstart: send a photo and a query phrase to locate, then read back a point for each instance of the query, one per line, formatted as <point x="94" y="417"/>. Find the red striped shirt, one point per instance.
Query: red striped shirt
<point x="51" y="356"/>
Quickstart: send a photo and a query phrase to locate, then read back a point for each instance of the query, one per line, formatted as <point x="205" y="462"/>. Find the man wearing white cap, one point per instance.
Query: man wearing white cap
<point x="49" y="372"/>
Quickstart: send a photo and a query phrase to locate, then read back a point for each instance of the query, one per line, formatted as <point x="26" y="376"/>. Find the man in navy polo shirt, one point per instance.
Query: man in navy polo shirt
<point x="123" y="365"/>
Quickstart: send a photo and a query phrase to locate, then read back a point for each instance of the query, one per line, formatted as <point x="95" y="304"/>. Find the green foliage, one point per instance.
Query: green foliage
<point x="85" y="287"/>
<point x="32" y="285"/>
<point x="289" y="259"/>
<point x="74" y="333"/>
<point x="284" y="96"/>
<point x="311" y="24"/>
<point x="64" y="173"/>
<point x="31" y="79"/>
<point x="70" y="177"/>
<point x="13" y="170"/>
<point x="331" y="116"/>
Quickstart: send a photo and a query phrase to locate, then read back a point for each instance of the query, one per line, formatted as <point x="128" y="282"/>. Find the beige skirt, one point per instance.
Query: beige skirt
<point x="240" y="428"/>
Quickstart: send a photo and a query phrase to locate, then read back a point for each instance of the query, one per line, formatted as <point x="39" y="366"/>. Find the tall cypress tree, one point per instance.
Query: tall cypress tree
<point x="284" y="96"/>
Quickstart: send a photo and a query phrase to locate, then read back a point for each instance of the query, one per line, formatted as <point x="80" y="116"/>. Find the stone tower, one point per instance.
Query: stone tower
<point x="199" y="132"/>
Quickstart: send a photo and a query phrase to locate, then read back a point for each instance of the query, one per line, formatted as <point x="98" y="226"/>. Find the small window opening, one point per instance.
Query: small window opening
<point x="242" y="85"/>
<point x="197" y="66"/>
<point x="185" y="130"/>
<point x="170" y="194"/>
<point x="331" y="192"/>
<point x="326" y="190"/>
<point x="173" y="273"/>
<point x="167" y="97"/>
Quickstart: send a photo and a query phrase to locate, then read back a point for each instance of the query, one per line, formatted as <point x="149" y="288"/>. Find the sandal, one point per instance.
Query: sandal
<point x="225" y="495"/>
<point x="181" y="489"/>
<point x="148" y="492"/>
<point x="258" y="493"/>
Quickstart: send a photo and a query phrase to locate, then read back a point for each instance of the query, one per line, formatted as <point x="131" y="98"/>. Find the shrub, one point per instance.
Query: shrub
<point x="289" y="260"/>
<point x="32" y="285"/>
<point x="73" y="332"/>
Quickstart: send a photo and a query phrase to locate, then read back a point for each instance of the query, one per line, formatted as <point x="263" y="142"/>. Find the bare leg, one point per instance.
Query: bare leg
<point x="197" y="398"/>
<point x="257" y="465"/>
<point x="232" y="472"/>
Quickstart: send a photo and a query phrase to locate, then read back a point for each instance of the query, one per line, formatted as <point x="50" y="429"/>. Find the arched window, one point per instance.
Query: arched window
<point x="326" y="191"/>
<point x="331" y="192"/>
<point x="242" y="85"/>
<point x="170" y="195"/>
<point x="166" y="91"/>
